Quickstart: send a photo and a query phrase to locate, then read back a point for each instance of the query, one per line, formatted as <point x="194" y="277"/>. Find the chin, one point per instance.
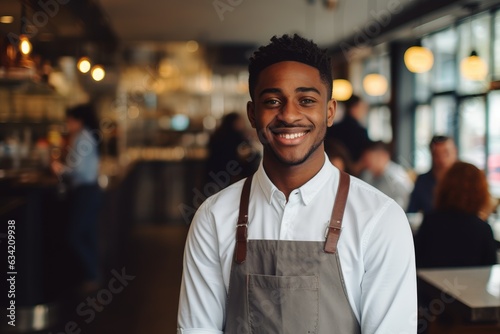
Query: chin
<point x="293" y="159"/>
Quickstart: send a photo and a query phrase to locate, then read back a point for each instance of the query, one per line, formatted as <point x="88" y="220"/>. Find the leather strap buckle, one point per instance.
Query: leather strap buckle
<point x="332" y="234"/>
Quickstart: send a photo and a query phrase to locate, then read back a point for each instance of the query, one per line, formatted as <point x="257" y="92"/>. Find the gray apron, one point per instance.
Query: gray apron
<point x="287" y="287"/>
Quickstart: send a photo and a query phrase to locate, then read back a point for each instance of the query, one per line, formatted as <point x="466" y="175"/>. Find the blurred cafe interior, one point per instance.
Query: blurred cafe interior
<point x="165" y="81"/>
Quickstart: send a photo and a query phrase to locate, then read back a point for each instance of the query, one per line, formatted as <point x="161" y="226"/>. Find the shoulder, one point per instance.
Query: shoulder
<point x="224" y="201"/>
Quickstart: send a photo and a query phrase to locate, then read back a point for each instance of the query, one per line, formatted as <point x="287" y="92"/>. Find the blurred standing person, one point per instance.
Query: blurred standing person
<point x="444" y="155"/>
<point x="80" y="171"/>
<point x="386" y="175"/>
<point x="231" y="150"/>
<point x="351" y="132"/>
<point x="453" y="235"/>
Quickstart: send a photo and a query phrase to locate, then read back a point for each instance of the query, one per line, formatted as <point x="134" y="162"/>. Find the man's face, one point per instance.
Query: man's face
<point x="444" y="154"/>
<point x="291" y="112"/>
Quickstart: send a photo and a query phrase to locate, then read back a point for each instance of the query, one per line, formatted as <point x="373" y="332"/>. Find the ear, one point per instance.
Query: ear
<point x="251" y="113"/>
<point x="330" y="113"/>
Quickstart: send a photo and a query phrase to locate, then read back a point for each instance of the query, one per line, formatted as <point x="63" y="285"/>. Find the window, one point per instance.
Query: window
<point x="443" y="108"/>
<point x="472" y="130"/>
<point x="423" y="135"/>
<point x="479" y="41"/>
<point x="494" y="142"/>
<point x="444" y="45"/>
<point x="449" y="104"/>
<point x="496" y="48"/>
<point x="379" y="124"/>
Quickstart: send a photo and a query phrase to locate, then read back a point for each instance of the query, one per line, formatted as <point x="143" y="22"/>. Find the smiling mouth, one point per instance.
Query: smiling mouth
<point x="292" y="135"/>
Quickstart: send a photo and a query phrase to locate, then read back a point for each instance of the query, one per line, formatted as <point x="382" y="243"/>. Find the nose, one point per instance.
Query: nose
<point x="289" y="113"/>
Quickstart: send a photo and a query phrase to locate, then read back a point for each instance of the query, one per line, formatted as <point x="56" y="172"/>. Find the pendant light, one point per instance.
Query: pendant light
<point x="84" y="64"/>
<point x="98" y="73"/>
<point x="341" y="89"/>
<point x="473" y="67"/>
<point x="375" y="84"/>
<point x="25" y="45"/>
<point x="418" y="59"/>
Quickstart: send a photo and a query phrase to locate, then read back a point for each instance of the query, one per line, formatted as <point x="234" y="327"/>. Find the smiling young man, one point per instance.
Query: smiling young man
<point x="299" y="247"/>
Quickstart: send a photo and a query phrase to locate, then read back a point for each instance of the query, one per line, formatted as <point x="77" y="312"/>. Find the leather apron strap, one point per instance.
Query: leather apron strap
<point x="333" y="230"/>
<point x="240" y="253"/>
<point x="335" y="227"/>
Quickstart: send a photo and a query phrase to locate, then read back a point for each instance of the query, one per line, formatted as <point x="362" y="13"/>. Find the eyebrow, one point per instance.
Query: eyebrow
<point x="297" y="90"/>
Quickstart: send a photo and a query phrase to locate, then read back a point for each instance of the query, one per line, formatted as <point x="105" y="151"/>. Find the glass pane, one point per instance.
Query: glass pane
<point x="423" y="135"/>
<point x="444" y="70"/>
<point x="479" y="41"/>
<point x="494" y="143"/>
<point x="423" y="80"/>
<point x="423" y="86"/>
<point x="443" y="108"/>
<point x="380" y="65"/>
<point x="496" y="62"/>
<point x="472" y="131"/>
<point x="379" y="124"/>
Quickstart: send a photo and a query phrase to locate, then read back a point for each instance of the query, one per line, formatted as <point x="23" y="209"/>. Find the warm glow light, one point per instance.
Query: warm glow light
<point x="474" y="67"/>
<point x="84" y="65"/>
<point x="192" y="46"/>
<point x="24" y="45"/>
<point x="6" y="19"/>
<point x="375" y="84"/>
<point x="342" y="89"/>
<point x="98" y="73"/>
<point x="418" y="59"/>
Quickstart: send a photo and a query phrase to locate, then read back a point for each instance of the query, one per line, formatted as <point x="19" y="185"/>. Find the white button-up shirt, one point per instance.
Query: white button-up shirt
<point x="375" y="249"/>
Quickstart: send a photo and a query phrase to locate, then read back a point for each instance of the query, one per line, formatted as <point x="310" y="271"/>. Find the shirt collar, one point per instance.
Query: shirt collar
<point x="307" y="191"/>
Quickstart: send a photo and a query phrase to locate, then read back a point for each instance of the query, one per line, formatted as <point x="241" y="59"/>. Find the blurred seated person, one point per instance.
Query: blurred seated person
<point x="351" y="132"/>
<point x="444" y="155"/>
<point x="453" y="235"/>
<point x="338" y="155"/>
<point x="386" y="175"/>
<point x="230" y="152"/>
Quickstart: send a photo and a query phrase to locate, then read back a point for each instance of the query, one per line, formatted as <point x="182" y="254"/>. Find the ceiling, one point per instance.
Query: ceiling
<point x="73" y="24"/>
<point x="217" y="21"/>
<point x="254" y="22"/>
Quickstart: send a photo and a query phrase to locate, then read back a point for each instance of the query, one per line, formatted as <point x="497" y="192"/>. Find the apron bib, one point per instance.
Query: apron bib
<point x="284" y="287"/>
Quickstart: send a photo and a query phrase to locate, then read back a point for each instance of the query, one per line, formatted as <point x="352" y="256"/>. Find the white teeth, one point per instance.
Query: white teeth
<point x="291" y="135"/>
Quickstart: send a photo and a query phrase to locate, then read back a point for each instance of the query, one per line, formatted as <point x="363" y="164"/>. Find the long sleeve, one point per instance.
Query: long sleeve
<point x="389" y="298"/>
<point x="203" y="294"/>
<point x="82" y="162"/>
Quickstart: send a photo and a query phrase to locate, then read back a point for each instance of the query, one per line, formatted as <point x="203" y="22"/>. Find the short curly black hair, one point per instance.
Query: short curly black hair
<point x="290" y="48"/>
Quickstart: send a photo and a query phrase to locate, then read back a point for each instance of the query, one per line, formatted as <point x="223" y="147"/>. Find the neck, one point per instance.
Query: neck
<point x="287" y="177"/>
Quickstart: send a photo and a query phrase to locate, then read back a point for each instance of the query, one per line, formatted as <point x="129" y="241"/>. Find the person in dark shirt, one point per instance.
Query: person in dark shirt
<point x="444" y="155"/>
<point x="230" y="152"/>
<point x="350" y="132"/>
<point x="453" y="235"/>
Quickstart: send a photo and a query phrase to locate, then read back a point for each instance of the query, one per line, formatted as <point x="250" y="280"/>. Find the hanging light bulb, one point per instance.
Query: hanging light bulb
<point x="474" y="67"/>
<point x="418" y="59"/>
<point x="24" y="45"/>
<point x="375" y="84"/>
<point x="98" y="73"/>
<point x="84" y="65"/>
<point x="341" y="89"/>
